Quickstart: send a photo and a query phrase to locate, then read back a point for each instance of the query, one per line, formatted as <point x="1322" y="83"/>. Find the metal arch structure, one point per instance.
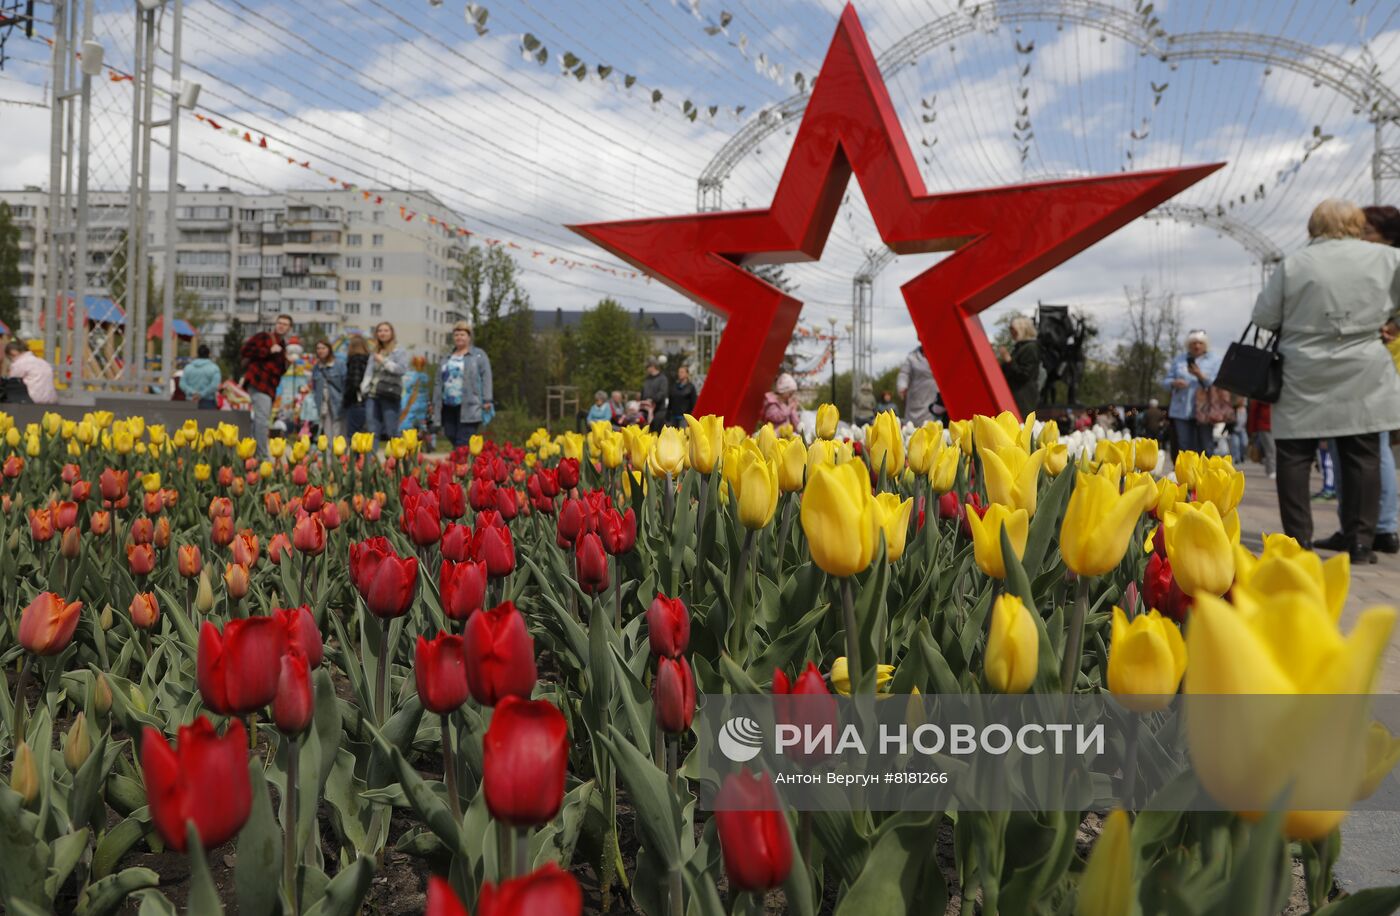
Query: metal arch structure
<point x="1361" y="86"/>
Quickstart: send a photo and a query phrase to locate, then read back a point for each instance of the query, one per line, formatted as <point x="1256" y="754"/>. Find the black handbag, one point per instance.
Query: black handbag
<point x="1252" y="370"/>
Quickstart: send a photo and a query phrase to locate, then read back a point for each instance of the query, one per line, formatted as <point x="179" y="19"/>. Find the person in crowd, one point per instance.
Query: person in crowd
<point x="264" y="360"/>
<point x="464" y="388"/>
<point x="781" y="404"/>
<point x="327" y="386"/>
<point x="632" y="414"/>
<point x="656" y="388"/>
<point x="307" y="413"/>
<point x="618" y="405"/>
<point x="601" y="409"/>
<point x="1152" y="422"/>
<point x="681" y="399"/>
<point x="1259" y="425"/>
<point x="1237" y="431"/>
<point x="886" y="403"/>
<point x="1021" y="364"/>
<point x="416" y="402"/>
<point x="1327" y="303"/>
<point x="36" y="373"/>
<point x="917" y="389"/>
<point x="201" y="380"/>
<point x="1189" y="373"/>
<point x="383" y="385"/>
<point x="352" y="400"/>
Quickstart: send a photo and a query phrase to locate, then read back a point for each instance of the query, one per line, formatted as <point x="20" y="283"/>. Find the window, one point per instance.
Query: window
<point x="204" y="236"/>
<point x="201" y="258"/>
<point x="204" y="281"/>
<point x="376" y="309"/>
<point x="379" y="216"/>
<point x="376" y="286"/>
<point x="247" y="216"/>
<point x="204" y="212"/>
<point x="352" y="286"/>
<point x="352" y="263"/>
<point x="354" y="240"/>
<point x="356" y="216"/>
<point x="250" y="260"/>
<point x="352" y="308"/>
<point x="376" y="264"/>
<point x="378" y="241"/>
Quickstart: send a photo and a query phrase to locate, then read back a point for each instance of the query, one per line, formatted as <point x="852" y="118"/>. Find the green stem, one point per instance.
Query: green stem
<point x="673" y="773"/>
<point x="21" y="710"/>
<point x="289" y="828"/>
<point x="1069" y="666"/>
<point x="505" y="850"/>
<point x="668" y="499"/>
<point x="449" y="770"/>
<point x="381" y="678"/>
<point x="522" y="850"/>
<point x="1130" y="762"/>
<point x="848" y="619"/>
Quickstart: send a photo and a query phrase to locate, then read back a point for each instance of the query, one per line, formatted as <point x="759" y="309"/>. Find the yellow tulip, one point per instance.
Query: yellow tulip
<point x="766" y="439"/>
<point x="706" y="441"/>
<point x="1219" y="485"/>
<point x="638" y="442"/>
<point x="792" y="464"/>
<point x="821" y="451"/>
<point x="151" y="482"/>
<point x="123" y="442"/>
<point x="598" y="430"/>
<point x="1146" y="659"/>
<point x="1307" y="741"/>
<point x="894" y="520"/>
<point x="137" y="425"/>
<point x="1145" y="454"/>
<point x="841" y="677"/>
<point x="69" y="428"/>
<point x="632" y="479"/>
<point x="33" y="446"/>
<point x="840" y="518"/>
<point x="246" y="448"/>
<point x="1144" y="480"/>
<point x="201" y="472"/>
<point x="756" y="486"/>
<point x="843" y="452"/>
<point x="277" y="447"/>
<point x="1056" y="458"/>
<point x="1169" y="493"/>
<point x="338" y="446"/>
<point x="51" y="423"/>
<point x="1114" y="451"/>
<point x="945" y="471"/>
<point x="1049" y="435"/>
<point x="734" y="436"/>
<point x="570" y="443"/>
<point x="1002" y="431"/>
<point x="668" y="455"/>
<point x="960" y="432"/>
<point x="1285" y="567"/>
<point x="1013" y="646"/>
<point x="302" y="446"/>
<point x="925" y="445"/>
<point x="612" y="452"/>
<point x="12" y="437"/>
<point x="986" y="536"/>
<point x="1107" y="888"/>
<point x="1382" y="755"/>
<point x="885" y="439"/>
<point x="1098" y="523"/>
<point x="827" y="418"/>
<point x="1012" y="476"/>
<point x="1199" y="549"/>
<point x="1187" y="464"/>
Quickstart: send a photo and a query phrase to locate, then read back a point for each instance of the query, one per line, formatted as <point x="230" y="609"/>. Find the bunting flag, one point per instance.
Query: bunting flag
<point x="406" y="213"/>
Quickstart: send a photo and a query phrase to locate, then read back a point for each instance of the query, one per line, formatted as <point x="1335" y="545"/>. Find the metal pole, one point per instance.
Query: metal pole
<point x="138" y="331"/>
<point x="167" y="346"/>
<point x="53" y="308"/>
<point x="1377" y="153"/>
<point x="78" y="345"/>
<point x="135" y="225"/>
<point x="64" y="332"/>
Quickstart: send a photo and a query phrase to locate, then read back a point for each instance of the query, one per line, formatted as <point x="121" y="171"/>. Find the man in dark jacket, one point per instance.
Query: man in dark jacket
<point x="1021" y="365"/>
<point x="264" y="360"/>
<point x="656" y="388"/>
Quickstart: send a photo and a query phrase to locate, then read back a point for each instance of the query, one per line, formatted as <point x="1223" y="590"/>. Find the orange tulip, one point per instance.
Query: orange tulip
<point x="101" y="522"/>
<point x="141" y="558"/>
<point x="236" y="578"/>
<point x="245" y="548"/>
<point x="144" y="610"/>
<point x="162" y="535"/>
<point x="41" y="525"/>
<point x="46" y="625"/>
<point x="189" y="560"/>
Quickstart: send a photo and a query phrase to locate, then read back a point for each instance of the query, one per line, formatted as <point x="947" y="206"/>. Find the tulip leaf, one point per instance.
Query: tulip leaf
<point x="21" y="860"/>
<point x="1048" y="511"/>
<point x="432" y="809"/>
<point x="204" y="894"/>
<point x="353" y="672"/>
<point x="634" y="697"/>
<point x="1260" y="881"/>
<point x="64" y="853"/>
<point x="154" y="903"/>
<point x="657" y="807"/>
<point x="893" y="879"/>
<point x="346" y="891"/>
<point x="1017" y="583"/>
<point x="939" y="673"/>
<point x="259" y="851"/>
<point x="1039" y="850"/>
<point x="1373" y="901"/>
<point x="787" y="648"/>
<point x="735" y="675"/>
<point x="106" y="895"/>
<point x="83" y="801"/>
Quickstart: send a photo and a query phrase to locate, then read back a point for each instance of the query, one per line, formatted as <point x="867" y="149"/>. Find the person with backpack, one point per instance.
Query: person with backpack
<point x="201" y="379"/>
<point x="383" y="385"/>
<point x="352" y="399"/>
<point x="1190" y="377"/>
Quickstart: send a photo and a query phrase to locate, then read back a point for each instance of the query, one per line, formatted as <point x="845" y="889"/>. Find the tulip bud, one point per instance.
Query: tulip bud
<point x="525" y="759"/>
<point x="753" y="832"/>
<point x="137" y="699"/>
<point x="294" y="704"/>
<point x="1146" y="659"/>
<point x="24" y="775"/>
<point x="673" y="695"/>
<point x="827" y="417"/>
<point x="77" y="745"/>
<point x="1106" y="887"/>
<point x="106" y="618"/>
<point x="204" y="593"/>
<point x="102" y="695"/>
<point x="100" y="523"/>
<point x="221" y="531"/>
<point x="236" y="579"/>
<point x="668" y="626"/>
<point x="162" y="533"/>
<point x="591" y="564"/>
<point x="309" y="535"/>
<point x="71" y="545"/>
<point x="1013" y="646"/>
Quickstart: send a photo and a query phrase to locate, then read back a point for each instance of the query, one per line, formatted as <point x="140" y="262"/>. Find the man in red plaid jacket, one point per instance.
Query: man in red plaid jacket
<point x="264" y="361"/>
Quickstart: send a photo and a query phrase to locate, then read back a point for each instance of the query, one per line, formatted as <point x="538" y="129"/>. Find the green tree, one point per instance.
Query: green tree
<point x="488" y="286"/>
<point x="9" y="269"/>
<point x="232" y="346"/>
<point x="608" y="350"/>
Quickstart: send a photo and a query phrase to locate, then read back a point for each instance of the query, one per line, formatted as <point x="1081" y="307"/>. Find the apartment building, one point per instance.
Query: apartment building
<point x="329" y="257"/>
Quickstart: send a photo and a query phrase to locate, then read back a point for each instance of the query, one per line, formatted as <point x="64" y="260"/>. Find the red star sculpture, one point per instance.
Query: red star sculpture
<point x="1004" y="238"/>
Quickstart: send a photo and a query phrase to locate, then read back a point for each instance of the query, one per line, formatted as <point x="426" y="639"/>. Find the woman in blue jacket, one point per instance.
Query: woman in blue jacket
<point x="201" y="379"/>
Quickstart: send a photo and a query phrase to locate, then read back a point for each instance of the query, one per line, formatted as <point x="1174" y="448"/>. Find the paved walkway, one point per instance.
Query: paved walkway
<point x="1370" y="585"/>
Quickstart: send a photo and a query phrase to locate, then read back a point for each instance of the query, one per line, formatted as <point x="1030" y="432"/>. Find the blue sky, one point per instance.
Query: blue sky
<point x="407" y="93"/>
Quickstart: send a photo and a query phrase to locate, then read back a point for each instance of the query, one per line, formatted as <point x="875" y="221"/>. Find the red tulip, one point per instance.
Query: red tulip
<point x="1160" y="589"/>
<point x="507" y="502"/>
<point x="452" y="501"/>
<point x="272" y="502"/>
<point x="141" y="558"/>
<point x="673" y="695"/>
<point x="950" y="506"/>
<point x="309" y="535"/>
<point x="494" y="545"/>
<point x="500" y="655"/>
<point x="221" y="531"/>
<point x="488" y="518"/>
<point x="100" y="523"/>
<point x="152" y="503"/>
<point x="421" y="520"/>
<point x="373" y="510"/>
<point x="203" y="781"/>
<point x="482" y="494"/>
<point x="41" y="525"/>
<point x="591" y="564"/>
<point x="220" y="507"/>
<point x="144" y="610"/>
<point x="299" y="475"/>
<point x="619" y="531"/>
<point x="571" y="521"/>
<point x="456" y="543"/>
<point x="568" y="474"/>
<point x="596" y="504"/>
<point x="299" y="626"/>
<point x="548" y="479"/>
<point x="244" y="548"/>
<point x="546" y="891"/>
<point x="313" y="498"/>
<point x="463" y="587"/>
<point x="388" y="589"/>
<point x="668" y="626"/>
<point x="188" y="560"/>
<point x="365" y="557"/>
<point x="279" y="544"/>
<point x="330" y="516"/>
<point x="69" y="473"/>
<point x="237" y="669"/>
<point x="14" y="466"/>
<point x="816" y="708"/>
<point x="143" y="531"/>
<point x="442" y="899"/>
<point x="525" y="757"/>
<point x="47" y="623"/>
<point x="71" y="545"/>
<point x="65" y="515"/>
<point x="225" y="476"/>
<point x="113" y="485"/>
<point x="440" y="671"/>
<point x="753" y="832"/>
<point x="294" y="704"/>
<point x="81" y="491"/>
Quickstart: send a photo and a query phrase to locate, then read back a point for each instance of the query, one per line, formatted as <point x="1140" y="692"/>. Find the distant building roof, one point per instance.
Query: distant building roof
<point x="646" y="321"/>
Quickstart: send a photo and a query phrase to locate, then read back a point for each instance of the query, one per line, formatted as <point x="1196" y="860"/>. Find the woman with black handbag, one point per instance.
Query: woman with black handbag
<point x="1327" y="302"/>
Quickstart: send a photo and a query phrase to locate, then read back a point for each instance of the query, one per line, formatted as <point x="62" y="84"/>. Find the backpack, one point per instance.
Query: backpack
<point x="1213" y="405"/>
